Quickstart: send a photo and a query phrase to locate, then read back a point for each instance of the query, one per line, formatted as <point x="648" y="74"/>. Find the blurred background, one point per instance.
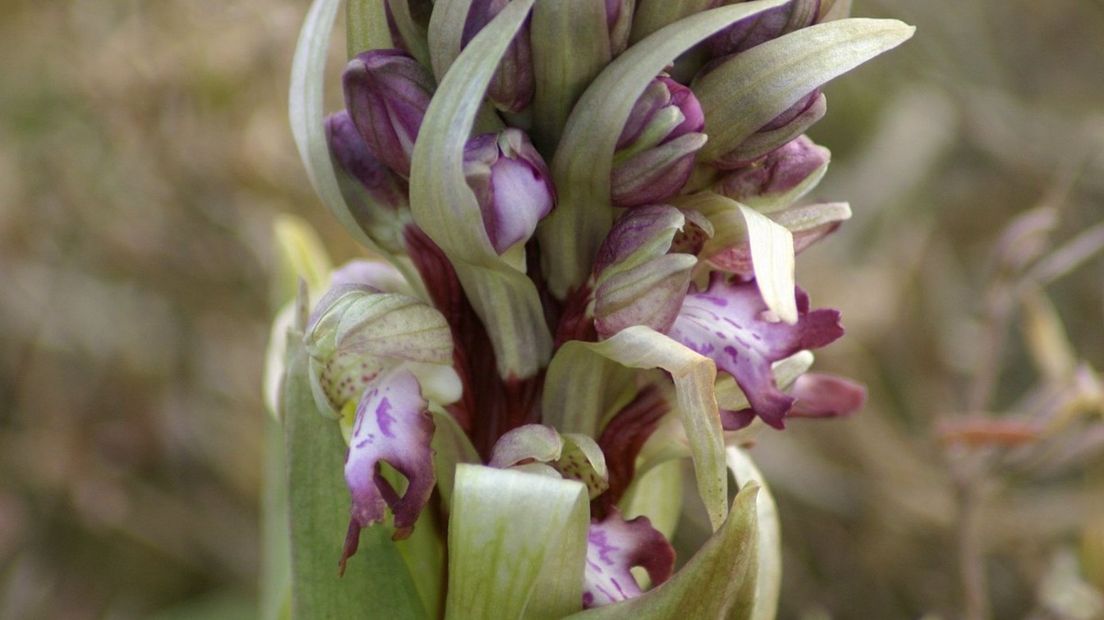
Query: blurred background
<point x="144" y="152"/>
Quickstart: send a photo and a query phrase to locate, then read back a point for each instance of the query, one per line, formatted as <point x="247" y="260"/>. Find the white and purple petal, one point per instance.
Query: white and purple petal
<point x="614" y="547"/>
<point x="730" y="323"/>
<point x="393" y="426"/>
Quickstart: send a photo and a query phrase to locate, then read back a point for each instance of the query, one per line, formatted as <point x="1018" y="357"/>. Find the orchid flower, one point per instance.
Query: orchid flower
<point x="580" y="219"/>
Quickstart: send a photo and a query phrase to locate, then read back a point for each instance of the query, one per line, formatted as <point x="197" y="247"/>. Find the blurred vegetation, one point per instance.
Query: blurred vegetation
<point x="144" y="152"/>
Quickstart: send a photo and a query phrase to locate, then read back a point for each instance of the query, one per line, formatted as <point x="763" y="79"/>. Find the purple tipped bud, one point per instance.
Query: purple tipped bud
<point x="387" y="93"/>
<point x="762" y="27"/>
<point x="641" y="276"/>
<point x="377" y="197"/>
<point x="511" y="89"/>
<point x="511" y="183"/>
<point x="783" y="129"/>
<point x="729" y="323"/>
<point x="656" y="150"/>
<point x="614" y="547"/>
<point x="778" y="172"/>
<point x="826" y="396"/>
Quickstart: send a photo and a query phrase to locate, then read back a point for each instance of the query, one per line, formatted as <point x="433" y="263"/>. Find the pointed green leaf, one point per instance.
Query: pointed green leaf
<point x="318" y="502"/>
<point x="718" y="582"/>
<point x="768" y="581"/>
<point x="446" y="31"/>
<point x="583" y="161"/>
<point x="306" y="114"/>
<point x="366" y="26"/>
<point x="570" y="47"/>
<point x="577" y="363"/>
<point x="517" y="545"/>
<point x="424" y="555"/>
<point x="445" y="208"/>
<point x="748" y="90"/>
<point x="451" y="447"/>
<point x="275" y="582"/>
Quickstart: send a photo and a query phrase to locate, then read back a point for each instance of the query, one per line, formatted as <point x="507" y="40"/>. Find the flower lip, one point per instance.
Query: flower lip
<point x="728" y="322"/>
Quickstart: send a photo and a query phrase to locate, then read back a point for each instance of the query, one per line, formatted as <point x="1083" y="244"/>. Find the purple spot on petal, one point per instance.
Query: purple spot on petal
<point x="384" y="418"/>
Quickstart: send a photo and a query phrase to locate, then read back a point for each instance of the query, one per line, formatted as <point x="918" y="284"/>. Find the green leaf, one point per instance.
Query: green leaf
<point x="366" y="26"/>
<point x="424" y="555"/>
<point x="570" y="47"/>
<point x="768" y="582"/>
<point x="517" y="545"/>
<point x="307" y="117"/>
<point x="577" y="363"/>
<point x="718" y="582"/>
<point x="446" y="30"/>
<point x="583" y="161"/>
<point x="445" y="208"/>
<point x="751" y="88"/>
<point x="275" y="585"/>
<point x="318" y="501"/>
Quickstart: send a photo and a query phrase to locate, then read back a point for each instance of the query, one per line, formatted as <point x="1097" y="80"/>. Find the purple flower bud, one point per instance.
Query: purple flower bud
<point x="377" y="197"/>
<point x="656" y="150"/>
<point x="780" y="131"/>
<point x="639" y="279"/>
<point x="826" y="396"/>
<point x="778" y="172"/>
<point x="512" y="87"/>
<point x="614" y="546"/>
<point x="511" y="183"/>
<point x="762" y="27"/>
<point x="387" y="93"/>
<point x="729" y="323"/>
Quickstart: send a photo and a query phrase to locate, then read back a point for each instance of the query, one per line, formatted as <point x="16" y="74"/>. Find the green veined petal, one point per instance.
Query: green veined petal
<point x="366" y="26"/>
<point x="748" y="90"/>
<point x="517" y="545"/>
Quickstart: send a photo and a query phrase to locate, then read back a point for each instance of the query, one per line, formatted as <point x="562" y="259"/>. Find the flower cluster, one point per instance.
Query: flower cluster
<point x="584" y="221"/>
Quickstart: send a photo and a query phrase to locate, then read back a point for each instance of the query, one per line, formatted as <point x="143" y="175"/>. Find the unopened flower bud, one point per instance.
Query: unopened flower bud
<point x="511" y="183"/>
<point x="783" y="129"/>
<point x="656" y="150"/>
<point x="764" y="26"/>
<point x="377" y="197"/>
<point x="387" y="93"/>
<point x="780" y="171"/>
<point x="512" y="86"/>
<point x="640" y="276"/>
<point x="619" y="17"/>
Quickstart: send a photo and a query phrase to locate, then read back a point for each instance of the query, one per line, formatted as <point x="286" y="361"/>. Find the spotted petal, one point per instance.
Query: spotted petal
<point x="614" y="547"/>
<point x="393" y="426"/>
<point x="729" y="323"/>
